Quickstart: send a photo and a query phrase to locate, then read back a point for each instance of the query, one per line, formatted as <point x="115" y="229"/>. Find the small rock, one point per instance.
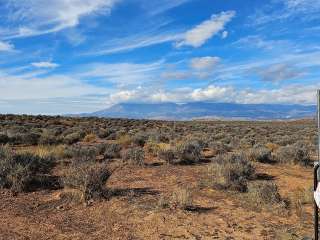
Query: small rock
<point x="59" y="207"/>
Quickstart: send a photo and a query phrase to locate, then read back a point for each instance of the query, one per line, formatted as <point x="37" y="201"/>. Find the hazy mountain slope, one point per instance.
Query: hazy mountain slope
<point x="205" y="110"/>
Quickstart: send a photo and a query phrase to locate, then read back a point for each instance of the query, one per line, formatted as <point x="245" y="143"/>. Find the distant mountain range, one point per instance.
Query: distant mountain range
<point x="205" y="110"/>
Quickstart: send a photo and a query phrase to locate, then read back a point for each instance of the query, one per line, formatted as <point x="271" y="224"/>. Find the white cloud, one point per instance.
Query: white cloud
<point x="212" y="93"/>
<point x="293" y="94"/>
<point x="156" y="35"/>
<point x="41" y="17"/>
<point x="44" y="64"/>
<point x="224" y="34"/>
<point x="204" y="63"/>
<point x="199" y="35"/>
<point x="124" y="96"/>
<point x="6" y="47"/>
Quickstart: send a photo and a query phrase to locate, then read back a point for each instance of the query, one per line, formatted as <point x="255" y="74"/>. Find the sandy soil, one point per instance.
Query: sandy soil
<point x="134" y="212"/>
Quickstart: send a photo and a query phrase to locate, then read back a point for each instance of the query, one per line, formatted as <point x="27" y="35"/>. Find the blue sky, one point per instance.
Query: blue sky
<point x="71" y="56"/>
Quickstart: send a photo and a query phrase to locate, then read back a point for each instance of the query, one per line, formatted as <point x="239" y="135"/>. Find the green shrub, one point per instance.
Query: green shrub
<point x="82" y="154"/>
<point x="30" y="138"/>
<point x="140" y="138"/>
<point x="48" y="138"/>
<point x="260" y="154"/>
<point x="19" y="172"/>
<point x="4" y="139"/>
<point x="73" y="138"/>
<point x="112" y="150"/>
<point x="231" y="172"/>
<point x="297" y="153"/>
<point x="188" y="152"/>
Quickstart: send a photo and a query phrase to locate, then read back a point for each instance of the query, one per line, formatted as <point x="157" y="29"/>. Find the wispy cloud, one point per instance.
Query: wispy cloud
<point x="198" y="68"/>
<point x="41" y="17"/>
<point x="199" y="35"/>
<point x="195" y="37"/>
<point x="204" y="63"/>
<point x="44" y="64"/>
<point x="135" y="42"/>
<point x="30" y="87"/>
<point x="160" y="6"/>
<point x="123" y="74"/>
<point x="6" y="47"/>
<point x="282" y="10"/>
<point x="257" y="41"/>
<point x="279" y="72"/>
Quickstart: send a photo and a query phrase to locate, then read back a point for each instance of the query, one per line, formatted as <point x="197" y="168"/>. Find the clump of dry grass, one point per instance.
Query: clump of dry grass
<point x="272" y="146"/>
<point x="134" y="155"/>
<point x="90" y="138"/>
<point x="298" y="199"/>
<point x="152" y="148"/>
<point x="264" y="193"/>
<point x="45" y="151"/>
<point x="166" y="153"/>
<point x="124" y="140"/>
<point x="182" y="198"/>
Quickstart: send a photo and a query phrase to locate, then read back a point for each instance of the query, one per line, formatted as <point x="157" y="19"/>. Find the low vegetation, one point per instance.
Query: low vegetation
<point x="160" y="170"/>
<point x="22" y="171"/>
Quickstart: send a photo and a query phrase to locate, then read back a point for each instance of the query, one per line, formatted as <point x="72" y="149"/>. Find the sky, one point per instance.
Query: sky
<point x="76" y="56"/>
